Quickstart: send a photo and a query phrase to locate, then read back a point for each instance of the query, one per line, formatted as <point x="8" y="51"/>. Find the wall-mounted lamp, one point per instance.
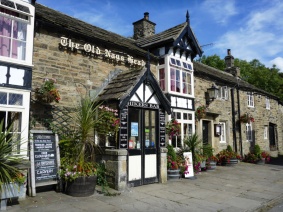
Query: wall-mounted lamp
<point x="211" y="94"/>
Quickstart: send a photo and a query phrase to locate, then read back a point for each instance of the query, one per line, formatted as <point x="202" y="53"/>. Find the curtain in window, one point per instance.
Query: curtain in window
<point x="5" y="36"/>
<point x="12" y="37"/>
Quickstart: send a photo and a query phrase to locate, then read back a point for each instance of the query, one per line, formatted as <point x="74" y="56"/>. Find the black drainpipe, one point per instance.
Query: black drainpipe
<point x="239" y="123"/>
<point x="233" y="120"/>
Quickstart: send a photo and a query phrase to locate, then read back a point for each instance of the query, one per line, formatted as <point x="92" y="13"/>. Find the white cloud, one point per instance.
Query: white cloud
<point x="220" y="10"/>
<point x="260" y="36"/>
<point x="278" y="61"/>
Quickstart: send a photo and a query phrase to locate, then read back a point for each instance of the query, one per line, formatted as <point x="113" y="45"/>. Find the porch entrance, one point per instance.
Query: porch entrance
<point x="142" y="148"/>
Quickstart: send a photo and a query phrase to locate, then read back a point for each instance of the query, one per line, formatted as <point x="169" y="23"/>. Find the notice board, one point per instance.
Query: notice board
<point x="45" y="159"/>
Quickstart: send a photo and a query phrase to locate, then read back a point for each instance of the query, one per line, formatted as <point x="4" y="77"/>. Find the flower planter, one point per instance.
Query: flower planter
<point x="231" y="162"/>
<point x="203" y="166"/>
<point x="10" y="191"/>
<point x="211" y="166"/>
<point x="261" y="161"/>
<point x="173" y="174"/>
<point x="81" y="187"/>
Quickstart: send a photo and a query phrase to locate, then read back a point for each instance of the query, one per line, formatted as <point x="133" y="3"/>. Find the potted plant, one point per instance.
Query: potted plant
<point x="266" y="156"/>
<point x="228" y="156"/>
<point x="47" y="92"/>
<point x="211" y="160"/>
<point x="173" y="171"/>
<point x="12" y="180"/>
<point x="78" y="170"/>
<point x="194" y="145"/>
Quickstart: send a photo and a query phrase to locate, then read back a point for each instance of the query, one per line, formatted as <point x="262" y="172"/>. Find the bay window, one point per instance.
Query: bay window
<point x="16" y="30"/>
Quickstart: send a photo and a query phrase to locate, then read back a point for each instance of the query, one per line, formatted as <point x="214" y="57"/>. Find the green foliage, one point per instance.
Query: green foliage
<point x="229" y="148"/>
<point x="194" y="144"/>
<point x="171" y="157"/>
<point x="9" y="159"/>
<point x="214" y="61"/>
<point x="257" y="151"/>
<point x="253" y="72"/>
<point x="78" y="149"/>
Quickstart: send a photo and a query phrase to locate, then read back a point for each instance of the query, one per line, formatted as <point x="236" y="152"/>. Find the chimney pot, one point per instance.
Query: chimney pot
<point x="146" y="15"/>
<point x="229" y="52"/>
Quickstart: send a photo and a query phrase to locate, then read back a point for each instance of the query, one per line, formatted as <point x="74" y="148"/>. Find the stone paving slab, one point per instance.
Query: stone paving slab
<point x="244" y="187"/>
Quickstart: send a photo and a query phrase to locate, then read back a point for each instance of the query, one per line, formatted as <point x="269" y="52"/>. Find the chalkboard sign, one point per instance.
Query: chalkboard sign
<point x="45" y="159"/>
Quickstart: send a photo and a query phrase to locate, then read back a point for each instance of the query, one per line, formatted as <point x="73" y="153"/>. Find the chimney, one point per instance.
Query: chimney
<point x="230" y="68"/>
<point x="229" y="59"/>
<point x="144" y="27"/>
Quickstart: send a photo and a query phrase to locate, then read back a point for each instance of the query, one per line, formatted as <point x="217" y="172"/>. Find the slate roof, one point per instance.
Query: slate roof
<point x="55" y="18"/>
<point x="170" y="36"/>
<point x="122" y="85"/>
<point x="223" y="78"/>
<point x="162" y="37"/>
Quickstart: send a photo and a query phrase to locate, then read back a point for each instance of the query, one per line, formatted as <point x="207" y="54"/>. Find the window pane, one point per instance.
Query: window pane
<point x="173" y="62"/>
<point x="15" y="99"/>
<point x="3" y="98"/>
<point x="178" y="86"/>
<point x="5" y="36"/>
<point x="3" y="73"/>
<point x="173" y="79"/>
<point x="162" y="78"/>
<point x="178" y="62"/>
<point x="17" y="76"/>
<point x="185" y="116"/>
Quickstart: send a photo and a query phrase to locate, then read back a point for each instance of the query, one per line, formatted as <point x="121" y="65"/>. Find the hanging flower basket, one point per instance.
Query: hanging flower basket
<point x="47" y="92"/>
<point x="246" y="118"/>
<point x="173" y="128"/>
<point x="201" y="112"/>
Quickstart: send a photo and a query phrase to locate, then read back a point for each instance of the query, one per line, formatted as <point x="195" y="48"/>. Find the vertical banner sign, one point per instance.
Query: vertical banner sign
<point x="162" y="128"/>
<point x="124" y="128"/>
<point x="45" y="159"/>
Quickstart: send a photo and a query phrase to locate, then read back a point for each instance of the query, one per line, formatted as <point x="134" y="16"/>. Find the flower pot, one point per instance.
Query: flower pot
<point x="10" y="191"/>
<point x="81" y="187"/>
<point x="261" y="161"/>
<point x="203" y="166"/>
<point x="230" y="162"/>
<point x="211" y="166"/>
<point x="173" y="174"/>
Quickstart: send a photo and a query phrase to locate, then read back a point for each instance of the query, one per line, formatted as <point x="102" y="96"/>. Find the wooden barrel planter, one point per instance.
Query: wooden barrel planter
<point x="81" y="187"/>
<point x="173" y="174"/>
<point x="212" y="165"/>
<point x="231" y="162"/>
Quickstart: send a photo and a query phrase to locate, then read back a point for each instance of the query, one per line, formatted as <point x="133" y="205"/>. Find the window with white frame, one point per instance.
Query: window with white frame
<point x="180" y="76"/>
<point x="250" y="99"/>
<point x="16" y="30"/>
<point x="223" y="93"/>
<point x="265" y="131"/>
<point x="14" y="112"/>
<point x="185" y="119"/>
<point x="222" y="132"/>
<point x="249" y="132"/>
<point x="162" y="79"/>
<point x="267" y="103"/>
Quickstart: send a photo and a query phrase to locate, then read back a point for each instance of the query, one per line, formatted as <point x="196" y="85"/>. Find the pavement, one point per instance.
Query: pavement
<point x="243" y="187"/>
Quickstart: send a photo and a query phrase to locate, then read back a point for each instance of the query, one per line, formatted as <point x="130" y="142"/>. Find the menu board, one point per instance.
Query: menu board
<point x="45" y="157"/>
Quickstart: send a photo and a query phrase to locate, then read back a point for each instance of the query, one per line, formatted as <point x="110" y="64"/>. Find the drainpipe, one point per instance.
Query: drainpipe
<point x="239" y="124"/>
<point x="233" y="120"/>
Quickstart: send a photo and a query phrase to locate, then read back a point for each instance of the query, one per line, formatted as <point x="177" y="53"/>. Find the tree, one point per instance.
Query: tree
<point x="253" y="72"/>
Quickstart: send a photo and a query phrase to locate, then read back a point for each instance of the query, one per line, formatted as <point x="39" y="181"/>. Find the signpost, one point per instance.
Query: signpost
<point x="45" y="159"/>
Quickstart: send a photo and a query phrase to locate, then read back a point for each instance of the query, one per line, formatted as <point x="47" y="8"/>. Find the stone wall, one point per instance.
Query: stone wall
<point x="221" y="111"/>
<point x="76" y="75"/>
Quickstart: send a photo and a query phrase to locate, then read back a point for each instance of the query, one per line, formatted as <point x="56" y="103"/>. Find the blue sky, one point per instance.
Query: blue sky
<point x="252" y="29"/>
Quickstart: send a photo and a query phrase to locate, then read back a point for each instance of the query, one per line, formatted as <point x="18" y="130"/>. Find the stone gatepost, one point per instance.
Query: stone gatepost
<point x="116" y="168"/>
<point x="163" y="165"/>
